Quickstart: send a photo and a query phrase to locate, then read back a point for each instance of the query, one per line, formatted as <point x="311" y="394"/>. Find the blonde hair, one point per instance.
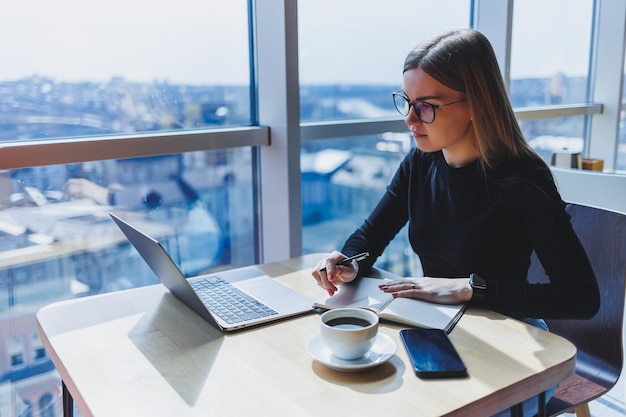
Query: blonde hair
<point x="464" y="60"/>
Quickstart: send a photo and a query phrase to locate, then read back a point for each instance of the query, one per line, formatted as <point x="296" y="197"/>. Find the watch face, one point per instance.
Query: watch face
<point x="477" y="282"/>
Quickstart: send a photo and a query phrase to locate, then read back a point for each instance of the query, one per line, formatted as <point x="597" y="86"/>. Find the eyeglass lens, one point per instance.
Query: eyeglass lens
<point x="424" y="111"/>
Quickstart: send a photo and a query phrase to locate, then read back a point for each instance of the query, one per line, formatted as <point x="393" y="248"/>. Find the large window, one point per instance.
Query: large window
<point x="550" y="66"/>
<point x="348" y="70"/>
<point x="550" y="45"/>
<point x="58" y="240"/>
<point x="122" y="67"/>
<point x="350" y="66"/>
<point x="126" y="107"/>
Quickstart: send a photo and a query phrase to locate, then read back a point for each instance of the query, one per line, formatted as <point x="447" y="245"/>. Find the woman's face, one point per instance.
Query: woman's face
<point x="452" y="129"/>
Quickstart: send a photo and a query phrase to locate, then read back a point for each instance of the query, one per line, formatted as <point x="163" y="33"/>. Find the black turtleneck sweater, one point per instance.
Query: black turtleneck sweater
<point x="463" y="222"/>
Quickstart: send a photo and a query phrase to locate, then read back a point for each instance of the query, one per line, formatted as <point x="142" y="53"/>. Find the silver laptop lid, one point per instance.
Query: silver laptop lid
<point x="164" y="268"/>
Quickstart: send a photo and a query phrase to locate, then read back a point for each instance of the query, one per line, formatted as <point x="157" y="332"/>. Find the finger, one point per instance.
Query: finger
<point x="329" y="271"/>
<point x="343" y="274"/>
<point x="330" y="260"/>
<point x="399" y="285"/>
<point x="322" y="281"/>
<point x="396" y="282"/>
<point x="327" y="284"/>
<point x="317" y="274"/>
<point x="330" y="291"/>
<point x="324" y="271"/>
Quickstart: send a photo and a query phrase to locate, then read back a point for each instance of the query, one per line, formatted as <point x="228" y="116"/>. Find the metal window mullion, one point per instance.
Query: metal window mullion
<point x="494" y="18"/>
<point x="607" y="73"/>
<point x="276" y="25"/>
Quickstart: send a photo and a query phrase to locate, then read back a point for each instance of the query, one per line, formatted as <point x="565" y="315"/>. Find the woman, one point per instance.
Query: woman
<point x="477" y="198"/>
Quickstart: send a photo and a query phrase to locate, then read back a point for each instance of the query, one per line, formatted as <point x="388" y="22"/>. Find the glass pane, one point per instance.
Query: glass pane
<point x="550" y="66"/>
<point x="73" y="69"/>
<point x="342" y="181"/>
<point x="550" y="62"/>
<point x="350" y="66"/>
<point x="58" y="242"/>
<point x="549" y="136"/>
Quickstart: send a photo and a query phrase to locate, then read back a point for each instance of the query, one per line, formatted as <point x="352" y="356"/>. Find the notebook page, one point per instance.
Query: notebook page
<point x="422" y="313"/>
<point x="363" y="293"/>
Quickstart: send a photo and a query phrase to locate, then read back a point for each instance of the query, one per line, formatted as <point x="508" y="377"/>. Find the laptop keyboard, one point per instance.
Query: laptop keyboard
<point x="228" y="302"/>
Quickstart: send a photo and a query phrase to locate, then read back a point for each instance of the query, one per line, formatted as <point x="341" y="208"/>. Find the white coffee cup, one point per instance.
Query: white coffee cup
<point x="349" y="333"/>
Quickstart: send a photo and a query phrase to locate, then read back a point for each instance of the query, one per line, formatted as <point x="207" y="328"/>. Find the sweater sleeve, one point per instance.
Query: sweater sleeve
<point x="385" y="221"/>
<point x="572" y="291"/>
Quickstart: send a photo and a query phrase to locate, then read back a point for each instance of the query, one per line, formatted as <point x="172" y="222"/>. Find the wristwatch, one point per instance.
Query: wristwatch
<point x="479" y="286"/>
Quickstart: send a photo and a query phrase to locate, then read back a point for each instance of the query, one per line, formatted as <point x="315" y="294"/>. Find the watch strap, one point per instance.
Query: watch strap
<point x="479" y="287"/>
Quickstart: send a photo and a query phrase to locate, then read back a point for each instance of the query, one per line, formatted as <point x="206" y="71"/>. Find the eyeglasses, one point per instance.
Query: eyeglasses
<point x="423" y="110"/>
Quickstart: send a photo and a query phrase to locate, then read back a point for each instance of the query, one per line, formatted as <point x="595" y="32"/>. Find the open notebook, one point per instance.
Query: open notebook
<point x="364" y="293"/>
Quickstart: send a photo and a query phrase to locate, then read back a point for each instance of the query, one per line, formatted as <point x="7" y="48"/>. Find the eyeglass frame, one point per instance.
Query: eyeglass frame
<point x="434" y="107"/>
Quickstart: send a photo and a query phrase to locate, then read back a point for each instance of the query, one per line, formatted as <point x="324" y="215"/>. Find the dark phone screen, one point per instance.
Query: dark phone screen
<point x="432" y="354"/>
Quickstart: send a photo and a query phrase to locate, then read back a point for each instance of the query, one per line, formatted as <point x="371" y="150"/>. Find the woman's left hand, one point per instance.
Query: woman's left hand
<point x="435" y="290"/>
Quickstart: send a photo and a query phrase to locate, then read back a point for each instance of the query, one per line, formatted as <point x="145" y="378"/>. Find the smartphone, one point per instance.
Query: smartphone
<point x="432" y="354"/>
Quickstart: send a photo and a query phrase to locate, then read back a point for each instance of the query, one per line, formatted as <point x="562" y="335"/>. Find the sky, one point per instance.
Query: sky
<point x="201" y="42"/>
<point x="187" y="41"/>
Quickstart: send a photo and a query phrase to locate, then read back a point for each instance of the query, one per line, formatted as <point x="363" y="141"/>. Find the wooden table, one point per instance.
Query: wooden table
<point x="142" y="353"/>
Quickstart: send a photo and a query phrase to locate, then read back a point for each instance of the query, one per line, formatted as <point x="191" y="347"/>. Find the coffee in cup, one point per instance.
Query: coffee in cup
<point x="349" y="333"/>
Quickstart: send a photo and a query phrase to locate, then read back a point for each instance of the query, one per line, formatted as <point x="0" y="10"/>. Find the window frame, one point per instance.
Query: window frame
<point x="15" y="155"/>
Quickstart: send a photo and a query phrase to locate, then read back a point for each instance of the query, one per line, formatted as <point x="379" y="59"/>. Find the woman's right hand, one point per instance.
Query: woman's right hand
<point x="334" y="275"/>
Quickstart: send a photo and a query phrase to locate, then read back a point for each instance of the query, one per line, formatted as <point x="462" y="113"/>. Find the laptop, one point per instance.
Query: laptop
<point x="230" y="300"/>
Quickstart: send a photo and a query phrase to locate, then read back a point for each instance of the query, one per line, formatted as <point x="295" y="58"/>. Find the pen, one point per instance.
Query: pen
<point x="346" y="261"/>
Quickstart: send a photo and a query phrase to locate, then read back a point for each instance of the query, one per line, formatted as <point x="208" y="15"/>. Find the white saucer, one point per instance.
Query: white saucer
<point x="384" y="348"/>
